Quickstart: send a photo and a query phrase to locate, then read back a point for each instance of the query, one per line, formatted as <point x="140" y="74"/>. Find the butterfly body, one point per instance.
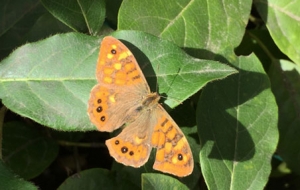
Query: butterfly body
<point x="123" y="97"/>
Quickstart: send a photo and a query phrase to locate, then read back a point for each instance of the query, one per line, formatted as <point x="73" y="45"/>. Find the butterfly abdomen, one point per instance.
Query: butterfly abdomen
<point x="147" y="104"/>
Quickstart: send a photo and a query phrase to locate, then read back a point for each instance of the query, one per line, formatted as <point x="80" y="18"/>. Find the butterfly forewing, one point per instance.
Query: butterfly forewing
<point x="117" y="66"/>
<point x="122" y="86"/>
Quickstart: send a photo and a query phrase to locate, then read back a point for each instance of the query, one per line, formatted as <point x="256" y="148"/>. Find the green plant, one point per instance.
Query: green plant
<point x="235" y="103"/>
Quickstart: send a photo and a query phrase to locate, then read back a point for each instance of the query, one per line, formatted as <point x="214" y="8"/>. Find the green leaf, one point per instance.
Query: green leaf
<point x="26" y="151"/>
<point x="68" y="12"/>
<point x="94" y="14"/>
<point x="284" y="76"/>
<point x="12" y="12"/>
<point x="282" y="19"/>
<point x="90" y="179"/>
<point x="215" y="26"/>
<point x="9" y="181"/>
<point x="130" y="176"/>
<point x="160" y="181"/>
<point x="47" y="25"/>
<point x="17" y="18"/>
<point x="78" y="15"/>
<point x="237" y="125"/>
<point x="50" y="81"/>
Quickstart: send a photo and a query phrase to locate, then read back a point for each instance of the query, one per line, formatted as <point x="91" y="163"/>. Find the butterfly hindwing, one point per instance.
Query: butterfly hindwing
<point x="132" y="146"/>
<point x="173" y="154"/>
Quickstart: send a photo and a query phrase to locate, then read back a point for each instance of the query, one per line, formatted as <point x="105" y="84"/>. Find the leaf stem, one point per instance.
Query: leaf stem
<point x="89" y="145"/>
<point x="261" y="44"/>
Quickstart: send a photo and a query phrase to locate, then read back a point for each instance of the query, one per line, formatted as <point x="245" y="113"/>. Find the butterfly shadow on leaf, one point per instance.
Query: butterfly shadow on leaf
<point x="145" y="65"/>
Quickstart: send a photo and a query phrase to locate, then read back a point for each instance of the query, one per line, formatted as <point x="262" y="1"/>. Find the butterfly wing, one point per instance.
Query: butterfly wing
<point x="123" y="96"/>
<point x="122" y="85"/>
<point x="173" y="154"/>
<point x="132" y="146"/>
<point x="153" y="128"/>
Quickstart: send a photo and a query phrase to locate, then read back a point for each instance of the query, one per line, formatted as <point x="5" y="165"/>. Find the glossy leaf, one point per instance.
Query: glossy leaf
<point x="94" y="14"/>
<point x="215" y="26"/>
<point x="78" y="14"/>
<point x="17" y="19"/>
<point x="90" y="179"/>
<point x="160" y="181"/>
<point x="13" y="12"/>
<point x="9" y="181"/>
<point x="50" y="81"/>
<point x="282" y="19"/>
<point x="25" y="151"/>
<point x="237" y="125"/>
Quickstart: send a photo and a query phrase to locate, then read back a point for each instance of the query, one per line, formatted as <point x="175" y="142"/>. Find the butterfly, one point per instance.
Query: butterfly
<point x="123" y="97"/>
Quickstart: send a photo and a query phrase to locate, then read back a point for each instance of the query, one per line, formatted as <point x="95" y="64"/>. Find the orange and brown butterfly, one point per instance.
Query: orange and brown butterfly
<point x="122" y="96"/>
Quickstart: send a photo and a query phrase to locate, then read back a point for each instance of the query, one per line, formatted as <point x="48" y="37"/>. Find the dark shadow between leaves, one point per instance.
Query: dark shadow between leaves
<point x="288" y="120"/>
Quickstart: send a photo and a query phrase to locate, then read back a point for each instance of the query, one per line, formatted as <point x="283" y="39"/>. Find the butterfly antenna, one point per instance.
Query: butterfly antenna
<point x="157" y="71"/>
<point x="173" y="99"/>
